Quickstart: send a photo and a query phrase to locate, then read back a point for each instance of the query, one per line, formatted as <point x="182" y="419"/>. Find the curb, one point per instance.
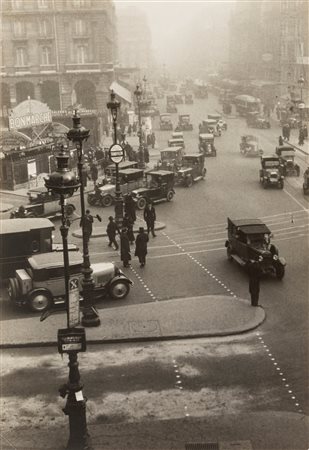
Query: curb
<point x="97" y="233"/>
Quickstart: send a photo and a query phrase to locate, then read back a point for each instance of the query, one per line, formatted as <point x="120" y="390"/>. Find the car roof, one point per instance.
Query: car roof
<point x="270" y="158"/>
<point x="130" y="171"/>
<point x="171" y="149"/>
<point x="124" y="164"/>
<point x="210" y="121"/>
<point x="250" y="226"/>
<point x="285" y="147"/>
<point x="53" y="260"/>
<point x="210" y="116"/>
<point x="175" y="139"/>
<point x="206" y="136"/>
<point x="193" y="155"/>
<point x="11" y="226"/>
<point x="184" y="115"/>
<point x="166" y="114"/>
<point x="160" y="172"/>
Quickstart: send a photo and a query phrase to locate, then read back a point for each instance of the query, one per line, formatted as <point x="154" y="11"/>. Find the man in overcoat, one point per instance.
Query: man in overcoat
<point x="125" y="254"/>
<point x="141" y="246"/>
<point x="150" y="218"/>
<point x="255" y="273"/>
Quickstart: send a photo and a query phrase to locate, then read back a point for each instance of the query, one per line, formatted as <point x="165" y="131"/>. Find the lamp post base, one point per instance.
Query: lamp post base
<point x="90" y="318"/>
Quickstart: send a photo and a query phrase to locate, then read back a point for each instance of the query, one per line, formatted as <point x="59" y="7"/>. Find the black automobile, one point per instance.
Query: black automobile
<point x="256" y="120"/>
<point x="159" y="186"/>
<point x="207" y="144"/>
<point x="286" y="155"/>
<point x="184" y="123"/>
<point x="248" y="240"/>
<point x="192" y="169"/>
<point x="270" y="172"/>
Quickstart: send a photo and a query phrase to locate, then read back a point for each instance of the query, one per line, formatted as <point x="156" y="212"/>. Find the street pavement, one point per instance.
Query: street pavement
<point x="250" y="388"/>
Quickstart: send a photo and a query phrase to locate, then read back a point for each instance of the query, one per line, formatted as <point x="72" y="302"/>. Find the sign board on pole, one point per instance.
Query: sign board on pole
<point x="73" y="306"/>
<point x="28" y="114"/>
<point x="116" y="153"/>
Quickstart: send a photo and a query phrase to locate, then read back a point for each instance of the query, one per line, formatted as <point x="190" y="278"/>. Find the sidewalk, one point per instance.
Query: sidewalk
<point x="205" y="316"/>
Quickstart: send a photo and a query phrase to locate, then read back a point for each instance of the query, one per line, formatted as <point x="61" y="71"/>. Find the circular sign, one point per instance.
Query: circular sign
<point x="301" y="105"/>
<point x="116" y="153"/>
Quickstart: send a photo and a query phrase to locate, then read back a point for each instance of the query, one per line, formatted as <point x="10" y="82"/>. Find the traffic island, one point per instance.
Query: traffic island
<point x="101" y="231"/>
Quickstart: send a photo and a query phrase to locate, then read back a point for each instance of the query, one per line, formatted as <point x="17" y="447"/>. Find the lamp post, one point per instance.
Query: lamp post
<point x="138" y="94"/>
<point x="116" y="154"/>
<point x="63" y="182"/>
<point x="301" y="82"/>
<point x="90" y="318"/>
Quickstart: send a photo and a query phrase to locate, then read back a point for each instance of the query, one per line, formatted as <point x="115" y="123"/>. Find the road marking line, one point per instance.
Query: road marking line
<point x="295" y="200"/>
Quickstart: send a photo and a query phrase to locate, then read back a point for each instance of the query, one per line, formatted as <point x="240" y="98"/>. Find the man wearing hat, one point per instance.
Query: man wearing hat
<point x="255" y="273"/>
<point x="111" y="231"/>
<point x="141" y="246"/>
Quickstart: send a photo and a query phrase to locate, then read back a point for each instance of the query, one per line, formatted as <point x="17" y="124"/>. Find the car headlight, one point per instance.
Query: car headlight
<point x="275" y="257"/>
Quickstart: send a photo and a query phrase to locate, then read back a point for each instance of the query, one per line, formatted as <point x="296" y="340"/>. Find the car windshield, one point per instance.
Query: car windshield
<point x="168" y="155"/>
<point x="271" y="163"/>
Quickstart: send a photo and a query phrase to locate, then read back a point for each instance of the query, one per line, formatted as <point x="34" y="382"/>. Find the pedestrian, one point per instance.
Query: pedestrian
<point x="94" y="173"/>
<point x="305" y="131"/>
<point x="125" y="254"/>
<point x="153" y="140"/>
<point x="129" y="207"/>
<point x="148" y="139"/>
<point x="129" y="129"/>
<point x="255" y="273"/>
<point x="111" y="230"/>
<point x="141" y="246"/>
<point x="86" y="224"/>
<point x="301" y="138"/>
<point x="146" y="154"/>
<point x="128" y="224"/>
<point x="280" y="140"/>
<point x="150" y="218"/>
<point x="134" y="128"/>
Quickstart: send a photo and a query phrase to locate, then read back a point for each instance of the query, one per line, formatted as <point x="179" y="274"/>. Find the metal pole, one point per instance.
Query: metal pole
<point x="118" y="199"/>
<point x="64" y="233"/>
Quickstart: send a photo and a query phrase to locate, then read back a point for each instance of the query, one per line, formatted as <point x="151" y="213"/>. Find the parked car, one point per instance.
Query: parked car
<point x="171" y="107"/>
<point x="249" y="146"/>
<point x="41" y="284"/>
<point x="170" y="159"/>
<point x="159" y="186"/>
<point x="211" y="126"/>
<point x="257" y="120"/>
<point x="306" y="182"/>
<point x="188" y="99"/>
<point x="249" y="239"/>
<point x="207" y="144"/>
<point x="192" y="169"/>
<point x="43" y="203"/>
<point x="222" y="123"/>
<point x="176" y="142"/>
<point x="166" y="122"/>
<point x="286" y="155"/>
<point x="270" y="172"/>
<point x="105" y="195"/>
<point x="184" y="123"/>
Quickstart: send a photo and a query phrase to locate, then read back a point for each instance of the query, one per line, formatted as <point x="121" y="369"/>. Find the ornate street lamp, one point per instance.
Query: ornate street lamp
<point x="90" y="318"/>
<point x="138" y="95"/>
<point x="116" y="154"/>
<point x="63" y="182"/>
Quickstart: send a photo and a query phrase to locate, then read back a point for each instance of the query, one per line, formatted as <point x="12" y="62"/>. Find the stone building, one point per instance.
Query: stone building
<point x="60" y="52"/>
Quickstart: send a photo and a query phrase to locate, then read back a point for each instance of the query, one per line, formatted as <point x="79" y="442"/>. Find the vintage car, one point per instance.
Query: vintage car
<point x="166" y="122"/>
<point x="192" y="169"/>
<point x="110" y="170"/>
<point x="249" y="240"/>
<point x="43" y="203"/>
<point x="249" y="146"/>
<point x="171" y="107"/>
<point x="207" y="144"/>
<point x="105" y="195"/>
<point x="159" y="186"/>
<point x="188" y="99"/>
<point x="270" y="172"/>
<point x="170" y="159"/>
<point x="227" y="108"/>
<point x="41" y="284"/>
<point x="211" y="126"/>
<point x="286" y="155"/>
<point x="306" y="182"/>
<point x="176" y="142"/>
<point x="256" y="120"/>
<point x="222" y="124"/>
<point x="177" y="135"/>
<point x="178" y="99"/>
<point x="184" y="123"/>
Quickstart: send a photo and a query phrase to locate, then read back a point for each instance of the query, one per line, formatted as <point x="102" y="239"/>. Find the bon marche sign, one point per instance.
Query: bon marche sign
<point x="28" y="114"/>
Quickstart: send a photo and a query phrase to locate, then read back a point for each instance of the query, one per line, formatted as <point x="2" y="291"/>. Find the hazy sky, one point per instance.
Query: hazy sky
<point x="171" y="21"/>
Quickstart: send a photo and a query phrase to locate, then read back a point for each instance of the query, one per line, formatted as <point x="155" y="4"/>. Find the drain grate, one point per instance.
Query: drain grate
<point x="202" y="446"/>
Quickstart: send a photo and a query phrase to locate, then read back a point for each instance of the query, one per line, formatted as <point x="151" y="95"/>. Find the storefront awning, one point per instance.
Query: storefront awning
<point x="121" y="91"/>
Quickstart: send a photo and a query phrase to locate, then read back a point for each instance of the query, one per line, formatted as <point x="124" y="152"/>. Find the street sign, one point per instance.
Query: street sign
<point x="116" y="153"/>
<point x="301" y="105"/>
<point x="71" y="340"/>
<point x="73" y="306"/>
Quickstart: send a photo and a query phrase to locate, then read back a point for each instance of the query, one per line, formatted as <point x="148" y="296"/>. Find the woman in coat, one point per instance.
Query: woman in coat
<point x="141" y="246"/>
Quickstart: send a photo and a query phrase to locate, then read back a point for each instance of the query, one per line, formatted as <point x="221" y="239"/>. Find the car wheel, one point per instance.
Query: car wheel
<point x="91" y="200"/>
<point x="141" y="203"/>
<point x="13" y="289"/>
<point x="189" y="181"/>
<point x="170" y="196"/>
<point x="119" y="289"/>
<point x="40" y="300"/>
<point x="69" y="210"/>
<point x="107" y="201"/>
<point x="280" y="271"/>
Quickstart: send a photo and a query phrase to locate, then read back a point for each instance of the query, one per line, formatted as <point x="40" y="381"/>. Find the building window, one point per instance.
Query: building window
<point x="17" y="4"/>
<point x="19" y="28"/>
<point x="80" y="27"/>
<point x="21" y="56"/>
<point x="45" y="28"/>
<point x="43" y="4"/>
<point x="45" y="56"/>
<point x="81" y="54"/>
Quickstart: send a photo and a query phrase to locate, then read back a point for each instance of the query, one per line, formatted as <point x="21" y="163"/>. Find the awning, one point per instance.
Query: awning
<point x="121" y="91"/>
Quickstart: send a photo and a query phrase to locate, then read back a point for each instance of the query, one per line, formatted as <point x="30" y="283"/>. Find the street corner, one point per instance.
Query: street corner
<point x="5" y="207"/>
<point x="101" y="231"/>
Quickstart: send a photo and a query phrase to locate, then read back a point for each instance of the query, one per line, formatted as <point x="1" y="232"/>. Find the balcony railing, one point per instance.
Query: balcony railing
<point x="83" y="67"/>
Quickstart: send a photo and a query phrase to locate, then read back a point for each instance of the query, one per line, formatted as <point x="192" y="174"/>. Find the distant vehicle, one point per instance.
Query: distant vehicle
<point x="106" y="195"/>
<point x="188" y="99"/>
<point x="192" y="169"/>
<point x="270" y="172"/>
<point x="110" y="170"/>
<point x="171" y="107"/>
<point x="170" y="159"/>
<point x="218" y="117"/>
<point x="249" y="239"/>
<point x="257" y="120"/>
<point x="211" y="126"/>
<point x="227" y="108"/>
<point x="246" y="104"/>
<point x="177" y="135"/>
<point x="176" y="142"/>
<point x="200" y="89"/>
<point x="41" y="284"/>
<point x="43" y="203"/>
<point x="159" y="186"/>
<point x="166" y="122"/>
<point x="306" y="182"/>
<point x="207" y="144"/>
<point x="249" y="146"/>
<point x="178" y="99"/>
<point x="286" y="155"/>
<point x="184" y="123"/>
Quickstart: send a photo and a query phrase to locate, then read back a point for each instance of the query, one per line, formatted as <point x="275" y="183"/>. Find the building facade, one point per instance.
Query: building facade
<point x="59" y="52"/>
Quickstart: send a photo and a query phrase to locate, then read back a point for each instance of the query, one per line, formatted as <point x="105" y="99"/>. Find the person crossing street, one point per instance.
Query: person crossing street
<point x="141" y="246"/>
<point x="111" y="230"/>
<point x="150" y="218"/>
